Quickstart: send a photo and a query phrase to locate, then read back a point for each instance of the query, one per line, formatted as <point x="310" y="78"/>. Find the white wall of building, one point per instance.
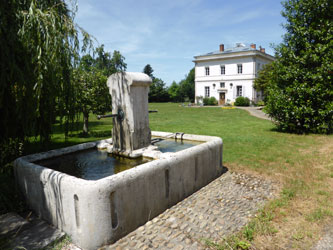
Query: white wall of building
<point x="231" y="78"/>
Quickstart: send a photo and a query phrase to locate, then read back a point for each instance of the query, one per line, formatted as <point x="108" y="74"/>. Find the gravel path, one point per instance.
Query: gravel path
<point x="326" y="243"/>
<point x="257" y="112"/>
<point x="222" y="207"/>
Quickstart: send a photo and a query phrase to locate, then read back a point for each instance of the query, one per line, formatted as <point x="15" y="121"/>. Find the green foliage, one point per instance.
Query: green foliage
<point x="148" y="70"/>
<point x="11" y="200"/>
<point x="244" y="245"/>
<point x="158" y="91"/>
<point x="261" y="103"/>
<point x="92" y="93"/>
<point x="242" y="101"/>
<point x="300" y="94"/>
<point x="10" y="149"/>
<point x="264" y="78"/>
<point x="199" y="100"/>
<point x="39" y="44"/>
<point x="174" y="92"/>
<point x="248" y="232"/>
<point x="319" y="214"/>
<point x="184" y="90"/>
<point x="211" y="101"/>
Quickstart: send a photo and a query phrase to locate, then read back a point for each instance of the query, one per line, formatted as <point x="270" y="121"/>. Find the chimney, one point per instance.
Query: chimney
<point x="253" y="45"/>
<point x="221" y="47"/>
<point x="262" y="49"/>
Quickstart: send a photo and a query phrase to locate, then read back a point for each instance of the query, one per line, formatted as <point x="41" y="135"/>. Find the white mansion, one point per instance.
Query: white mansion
<point x="227" y="74"/>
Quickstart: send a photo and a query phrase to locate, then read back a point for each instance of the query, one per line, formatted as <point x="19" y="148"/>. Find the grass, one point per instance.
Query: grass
<point x="301" y="165"/>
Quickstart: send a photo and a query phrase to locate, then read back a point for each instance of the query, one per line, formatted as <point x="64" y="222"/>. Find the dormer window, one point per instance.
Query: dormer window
<point x="239" y="68"/>
<point x="207" y="71"/>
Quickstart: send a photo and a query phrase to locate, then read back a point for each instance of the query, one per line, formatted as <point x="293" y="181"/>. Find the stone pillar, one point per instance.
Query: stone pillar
<point x="129" y="92"/>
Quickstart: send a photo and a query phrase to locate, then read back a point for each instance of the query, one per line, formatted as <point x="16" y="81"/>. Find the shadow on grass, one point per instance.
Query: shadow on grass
<point x="77" y="126"/>
<point x="91" y="134"/>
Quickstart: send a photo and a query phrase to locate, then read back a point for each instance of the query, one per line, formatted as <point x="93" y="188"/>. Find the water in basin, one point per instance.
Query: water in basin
<point x="171" y="145"/>
<point x="91" y="164"/>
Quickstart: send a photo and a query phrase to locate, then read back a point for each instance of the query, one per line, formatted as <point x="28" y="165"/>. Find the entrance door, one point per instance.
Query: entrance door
<point x="222" y="98"/>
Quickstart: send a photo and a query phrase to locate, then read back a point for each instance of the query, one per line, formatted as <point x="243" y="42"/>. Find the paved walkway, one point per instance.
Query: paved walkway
<point x="29" y="233"/>
<point x="217" y="210"/>
<point x="256" y="111"/>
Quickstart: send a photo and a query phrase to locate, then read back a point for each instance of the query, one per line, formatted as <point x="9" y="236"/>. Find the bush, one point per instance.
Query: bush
<point x="261" y="103"/>
<point x="210" y="101"/>
<point x="242" y="101"/>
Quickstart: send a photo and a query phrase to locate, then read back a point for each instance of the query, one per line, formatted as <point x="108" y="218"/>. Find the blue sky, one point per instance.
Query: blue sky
<point x="167" y="34"/>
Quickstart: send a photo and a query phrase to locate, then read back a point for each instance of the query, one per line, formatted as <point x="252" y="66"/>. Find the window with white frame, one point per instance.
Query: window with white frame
<point x="239" y="91"/>
<point x="239" y="68"/>
<point x="207" y="71"/>
<point x="206" y="91"/>
<point x="222" y="84"/>
<point x="222" y="70"/>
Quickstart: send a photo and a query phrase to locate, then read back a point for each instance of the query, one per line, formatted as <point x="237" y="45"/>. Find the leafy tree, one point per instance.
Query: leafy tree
<point x="148" y="70"/>
<point x="39" y="45"/>
<point x="158" y="91"/>
<point x="103" y="61"/>
<point x="263" y="80"/>
<point x="118" y="63"/>
<point x="174" y="93"/>
<point x="187" y="86"/>
<point x="300" y="98"/>
<point x="190" y="91"/>
<point x="92" y="93"/>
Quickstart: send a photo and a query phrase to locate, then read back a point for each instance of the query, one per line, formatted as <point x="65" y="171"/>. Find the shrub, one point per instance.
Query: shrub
<point x="209" y="101"/>
<point x="242" y="101"/>
<point x="261" y="103"/>
<point x="199" y="99"/>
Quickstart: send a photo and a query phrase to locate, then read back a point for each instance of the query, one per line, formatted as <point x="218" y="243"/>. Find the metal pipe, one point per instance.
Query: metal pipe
<point x="106" y="116"/>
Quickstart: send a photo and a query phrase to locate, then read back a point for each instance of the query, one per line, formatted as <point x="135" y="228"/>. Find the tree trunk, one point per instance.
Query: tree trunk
<point x="85" y="122"/>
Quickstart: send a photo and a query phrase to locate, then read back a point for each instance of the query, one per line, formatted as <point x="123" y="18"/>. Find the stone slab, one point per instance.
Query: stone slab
<point x="38" y="236"/>
<point x="18" y="233"/>
<point x="10" y="223"/>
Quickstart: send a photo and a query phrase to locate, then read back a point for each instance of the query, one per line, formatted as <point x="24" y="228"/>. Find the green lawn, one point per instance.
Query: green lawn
<point x="301" y="164"/>
<point x="248" y="141"/>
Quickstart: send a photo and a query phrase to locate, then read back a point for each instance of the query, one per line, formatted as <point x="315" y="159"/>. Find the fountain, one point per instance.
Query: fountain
<point x="101" y="211"/>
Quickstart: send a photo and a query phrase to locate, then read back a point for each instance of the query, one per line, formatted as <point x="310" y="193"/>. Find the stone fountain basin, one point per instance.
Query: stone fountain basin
<point x="100" y="212"/>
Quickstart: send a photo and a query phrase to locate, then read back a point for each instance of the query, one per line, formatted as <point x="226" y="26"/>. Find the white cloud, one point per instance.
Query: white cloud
<point x="169" y="33"/>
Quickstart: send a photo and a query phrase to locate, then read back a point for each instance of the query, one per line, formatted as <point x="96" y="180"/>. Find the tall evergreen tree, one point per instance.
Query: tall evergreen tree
<point x="148" y="70"/>
<point x="300" y="96"/>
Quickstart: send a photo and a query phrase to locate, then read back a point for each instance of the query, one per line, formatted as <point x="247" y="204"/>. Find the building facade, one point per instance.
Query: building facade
<point x="227" y="74"/>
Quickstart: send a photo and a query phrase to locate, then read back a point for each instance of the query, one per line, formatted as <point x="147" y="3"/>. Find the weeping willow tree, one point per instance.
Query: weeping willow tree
<point x="39" y="46"/>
